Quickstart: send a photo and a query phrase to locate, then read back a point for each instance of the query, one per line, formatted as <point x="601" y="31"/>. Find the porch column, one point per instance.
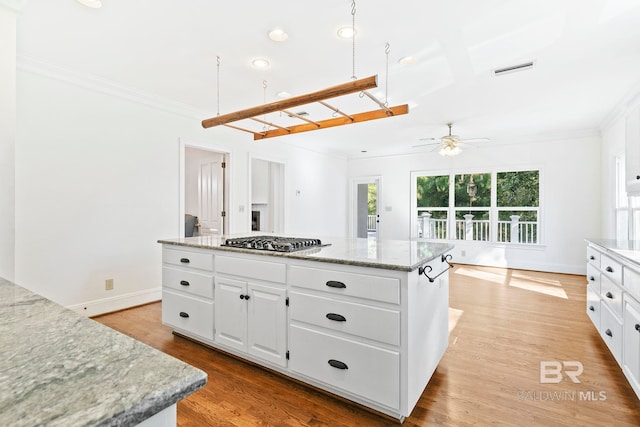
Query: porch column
<point x="425" y="224"/>
<point x="468" y="227"/>
<point x="514" y="235"/>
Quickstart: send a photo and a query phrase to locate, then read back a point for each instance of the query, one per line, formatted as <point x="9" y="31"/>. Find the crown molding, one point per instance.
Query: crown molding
<point x="626" y="104"/>
<point x="31" y="64"/>
<point x="13" y="5"/>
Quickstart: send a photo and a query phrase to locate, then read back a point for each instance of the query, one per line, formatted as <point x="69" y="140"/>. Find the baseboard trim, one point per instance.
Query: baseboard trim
<point x="116" y="303"/>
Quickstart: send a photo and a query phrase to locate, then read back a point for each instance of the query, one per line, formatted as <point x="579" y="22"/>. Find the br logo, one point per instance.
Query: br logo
<point x="552" y="372"/>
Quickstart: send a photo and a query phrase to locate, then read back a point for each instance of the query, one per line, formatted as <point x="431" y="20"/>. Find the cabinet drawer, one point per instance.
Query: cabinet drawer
<point x="375" y="323"/>
<point x="368" y="371"/>
<point x="376" y="288"/>
<point x="593" y="257"/>
<point x="631" y="282"/>
<point x="187" y="313"/>
<point x="201" y="260"/>
<point x="593" y="306"/>
<point x="611" y="331"/>
<point x="611" y="269"/>
<point x="593" y="277"/>
<point x="192" y="282"/>
<point x="611" y="295"/>
<point x="263" y="270"/>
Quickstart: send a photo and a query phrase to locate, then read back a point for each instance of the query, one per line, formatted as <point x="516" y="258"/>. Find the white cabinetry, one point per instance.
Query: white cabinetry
<point x="187" y="291"/>
<point x="632" y="152"/>
<point x="251" y="316"/>
<point x="371" y="335"/>
<point x="612" y="306"/>
<point x="631" y="337"/>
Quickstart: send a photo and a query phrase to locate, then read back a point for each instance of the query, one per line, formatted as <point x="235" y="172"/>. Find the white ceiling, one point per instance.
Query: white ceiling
<point x="586" y="53"/>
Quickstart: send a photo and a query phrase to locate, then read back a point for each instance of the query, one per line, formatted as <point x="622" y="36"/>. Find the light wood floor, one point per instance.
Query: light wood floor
<point x="503" y="324"/>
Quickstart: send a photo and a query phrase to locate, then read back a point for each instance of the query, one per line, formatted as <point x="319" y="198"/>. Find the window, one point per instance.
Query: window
<point x="627" y="209"/>
<point x="491" y="206"/>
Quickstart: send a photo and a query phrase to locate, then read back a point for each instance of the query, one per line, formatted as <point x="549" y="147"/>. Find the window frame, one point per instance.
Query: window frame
<point x="493" y="209"/>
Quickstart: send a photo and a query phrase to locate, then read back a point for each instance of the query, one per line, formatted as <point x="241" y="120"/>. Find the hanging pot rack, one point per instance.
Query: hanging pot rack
<point x="254" y="113"/>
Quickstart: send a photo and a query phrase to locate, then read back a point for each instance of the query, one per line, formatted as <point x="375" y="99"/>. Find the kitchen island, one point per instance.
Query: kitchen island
<point x="364" y="319"/>
<point x="58" y="368"/>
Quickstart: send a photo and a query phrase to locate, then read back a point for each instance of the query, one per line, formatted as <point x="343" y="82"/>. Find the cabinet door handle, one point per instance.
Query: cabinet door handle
<point x="637" y="327"/>
<point x="335" y="284"/>
<point x="591" y="308"/>
<point x="608" y="332"/>
<point x="185" y="260"/>
<point x="593" y="279"/>
<point x="246" y="297"/>
<point x="184" y="283"/>
<point x="637" y="176"/>
<point x="338" y="364"/>
<point x="592" y="257"/>
<point x="609" y="269"/>
<point x="241" y="296"/>
<point x="336" y="317"/>
<point x="183" y="314"/>
<point x="608" y="295"/>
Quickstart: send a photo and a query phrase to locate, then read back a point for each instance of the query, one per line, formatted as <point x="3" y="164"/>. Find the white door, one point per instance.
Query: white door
<point x="365" y="212"/>
<point x="211" y="193"/>
<point x="267" y="323"/>
<point x="231" y="313"/>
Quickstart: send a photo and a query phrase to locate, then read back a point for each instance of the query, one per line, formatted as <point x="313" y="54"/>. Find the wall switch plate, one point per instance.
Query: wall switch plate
<point x="108" y="285"/>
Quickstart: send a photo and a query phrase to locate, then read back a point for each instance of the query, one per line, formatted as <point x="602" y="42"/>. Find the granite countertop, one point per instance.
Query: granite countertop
<point x="58" y="368"/>
<point x="401" y="255"/>
<point x="628" y="249"/>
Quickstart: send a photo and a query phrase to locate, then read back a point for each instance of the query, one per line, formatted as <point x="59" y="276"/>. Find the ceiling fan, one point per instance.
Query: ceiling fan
<point x="450" y="144"/>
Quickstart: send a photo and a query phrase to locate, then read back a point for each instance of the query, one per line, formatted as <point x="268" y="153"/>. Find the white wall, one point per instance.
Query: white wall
<point x="8" y="12"/>
<point x="613" y="145"/>
<point x="97" y="184"/>
<point x="570" y="196"/>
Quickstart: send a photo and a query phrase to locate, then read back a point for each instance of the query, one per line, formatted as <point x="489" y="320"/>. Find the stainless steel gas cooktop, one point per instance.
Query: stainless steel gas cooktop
<point x="272" y="243"/>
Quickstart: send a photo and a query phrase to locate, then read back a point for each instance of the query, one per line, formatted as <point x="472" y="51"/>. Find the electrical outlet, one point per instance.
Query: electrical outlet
<point x="108" y="285"/>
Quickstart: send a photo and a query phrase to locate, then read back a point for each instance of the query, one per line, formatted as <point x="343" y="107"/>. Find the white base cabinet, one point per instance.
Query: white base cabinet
<point x="612" y="306"/>
<point x="371" y="335"/>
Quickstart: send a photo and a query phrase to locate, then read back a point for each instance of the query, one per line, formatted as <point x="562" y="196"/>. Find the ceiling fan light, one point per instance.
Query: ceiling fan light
<point x="450" y="151"/>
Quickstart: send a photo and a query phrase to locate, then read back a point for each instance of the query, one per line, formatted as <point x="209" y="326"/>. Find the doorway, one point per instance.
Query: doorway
<point x="365" y="201"/>
<point x="204" y="187"/>
<point x="267" y="196"/>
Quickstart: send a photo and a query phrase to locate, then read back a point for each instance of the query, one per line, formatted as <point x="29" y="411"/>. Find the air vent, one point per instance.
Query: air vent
<point x="513" y="68"/>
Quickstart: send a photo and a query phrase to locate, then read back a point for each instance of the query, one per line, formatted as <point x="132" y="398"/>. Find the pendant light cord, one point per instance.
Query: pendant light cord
<point x="218" y="84"/>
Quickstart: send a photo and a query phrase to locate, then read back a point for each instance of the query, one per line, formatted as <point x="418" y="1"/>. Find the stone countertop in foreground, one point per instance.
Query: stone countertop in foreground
<point x="58" y="368"/>
<point x="400" y="255"/>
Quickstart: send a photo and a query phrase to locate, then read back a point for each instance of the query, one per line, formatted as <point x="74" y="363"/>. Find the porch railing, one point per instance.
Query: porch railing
<point x="371" y="223"/>
<point x="514" y="231"/>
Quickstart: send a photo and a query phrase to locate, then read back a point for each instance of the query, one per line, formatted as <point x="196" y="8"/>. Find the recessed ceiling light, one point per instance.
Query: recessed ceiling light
<point x="407" y="60"/>
<point x="260" y="63"/>
<point x="347" y="32"/>
<point x="96" y="4"/>
<point x="284" y="94"/>
<point x="278" y="35"/>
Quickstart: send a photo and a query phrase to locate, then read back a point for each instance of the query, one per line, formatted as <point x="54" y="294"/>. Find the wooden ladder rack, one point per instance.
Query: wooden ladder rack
<point x="360" y="85"/>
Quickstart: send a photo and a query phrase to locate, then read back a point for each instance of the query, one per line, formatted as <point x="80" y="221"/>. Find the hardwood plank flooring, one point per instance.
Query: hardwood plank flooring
<point x="503" y="323"/>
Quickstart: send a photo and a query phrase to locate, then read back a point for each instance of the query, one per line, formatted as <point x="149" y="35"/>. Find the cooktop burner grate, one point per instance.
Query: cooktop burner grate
<point x="272" y="243"/>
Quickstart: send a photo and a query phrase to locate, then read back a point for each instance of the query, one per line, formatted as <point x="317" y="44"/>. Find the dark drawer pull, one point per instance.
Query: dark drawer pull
<point x="338" y="364"/>
<point x="591" y="308"/>
<point x="183" y="314"/>
<point x="608" y="332"/>
<point x="335" y="284"/>
<point x="592" y="257"/>
<point x="637" y="327"/>
<point x="336" y="317"/>
<point x="593" y="279"/>
<point x="184" y="283"/>
<point x="608" y="295"/>
<point x="185" y="260"/>
<point x="637" y="176"/>
<point x="609" y="269"/>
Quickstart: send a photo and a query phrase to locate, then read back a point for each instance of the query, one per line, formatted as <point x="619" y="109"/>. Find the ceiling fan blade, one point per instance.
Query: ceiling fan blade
<point x="475" y="140"/>
<point x="428" y="139"/>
